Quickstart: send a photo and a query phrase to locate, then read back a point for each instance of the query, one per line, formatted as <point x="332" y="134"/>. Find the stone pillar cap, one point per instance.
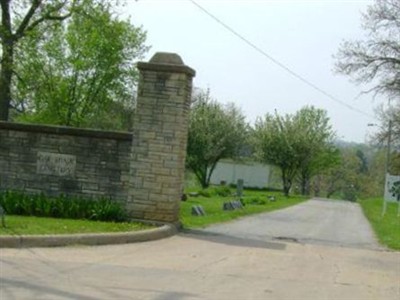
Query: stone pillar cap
<point x="166" y="62"/>
<point x="166" y="58"/>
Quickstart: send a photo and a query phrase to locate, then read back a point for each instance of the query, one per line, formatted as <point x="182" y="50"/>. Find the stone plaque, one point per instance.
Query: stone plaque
<point x="55" y="164"/>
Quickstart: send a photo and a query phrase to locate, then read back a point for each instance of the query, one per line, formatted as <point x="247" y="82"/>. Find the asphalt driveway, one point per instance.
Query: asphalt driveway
<point x="318" y="221"/>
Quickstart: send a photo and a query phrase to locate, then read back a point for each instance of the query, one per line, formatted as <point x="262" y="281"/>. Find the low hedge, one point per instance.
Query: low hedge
<point x="40" y="205"/>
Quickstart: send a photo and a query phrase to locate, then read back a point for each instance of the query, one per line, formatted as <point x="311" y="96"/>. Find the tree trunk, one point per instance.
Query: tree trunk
<point x="287" y="184"/>
<point x="5" y="82"/>
<point x="317" y="186"/>
<point x="210" y="171"/>
<point x="7" y="43"/>
<point x="305" y="183"/>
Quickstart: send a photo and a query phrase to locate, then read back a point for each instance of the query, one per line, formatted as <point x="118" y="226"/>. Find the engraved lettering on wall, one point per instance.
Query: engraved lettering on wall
<point x="55" y="164"/>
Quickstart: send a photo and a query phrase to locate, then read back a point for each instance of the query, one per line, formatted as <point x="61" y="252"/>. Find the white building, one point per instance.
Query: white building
<point x="254" y="174"/>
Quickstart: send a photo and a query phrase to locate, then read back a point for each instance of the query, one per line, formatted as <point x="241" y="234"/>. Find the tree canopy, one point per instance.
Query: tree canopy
<point x="80" y="71"/>
<point x="216" y="131"/>
<point x="19" y="20"/>
<point x="299" y="144"/>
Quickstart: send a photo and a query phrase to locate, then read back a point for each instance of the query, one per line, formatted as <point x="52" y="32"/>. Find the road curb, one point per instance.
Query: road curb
<point x="26" y="241"/>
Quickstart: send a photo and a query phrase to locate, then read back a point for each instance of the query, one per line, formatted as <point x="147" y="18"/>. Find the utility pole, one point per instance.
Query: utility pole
<point x="387" y="164"/>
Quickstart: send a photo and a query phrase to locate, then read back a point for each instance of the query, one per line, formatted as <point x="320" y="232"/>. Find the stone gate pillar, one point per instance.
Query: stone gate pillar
<point x="160" y="128"/>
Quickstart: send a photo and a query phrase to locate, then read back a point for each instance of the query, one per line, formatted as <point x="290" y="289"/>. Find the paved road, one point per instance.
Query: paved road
<point x="321" y="221"/>
<point x="206" y="265"/>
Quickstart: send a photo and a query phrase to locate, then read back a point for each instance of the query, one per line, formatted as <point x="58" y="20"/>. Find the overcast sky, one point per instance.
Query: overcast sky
<point x="302" y="35"/>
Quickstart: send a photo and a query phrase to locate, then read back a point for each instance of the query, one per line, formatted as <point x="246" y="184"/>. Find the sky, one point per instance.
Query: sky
<point x="302" y="35"/>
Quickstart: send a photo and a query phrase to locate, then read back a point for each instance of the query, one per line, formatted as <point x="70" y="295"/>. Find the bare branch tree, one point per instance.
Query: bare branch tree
<point x="375" y="59"/>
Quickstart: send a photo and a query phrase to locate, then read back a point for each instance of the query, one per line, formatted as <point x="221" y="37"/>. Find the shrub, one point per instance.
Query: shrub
<point x="255" y="201"/>
<point x="17" y="203"/>
<point x="222" y="191"/>
<point x="205" y="193"/>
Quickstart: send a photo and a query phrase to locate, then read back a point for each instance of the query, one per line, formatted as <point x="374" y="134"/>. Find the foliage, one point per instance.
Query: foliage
<point x="215" y="132"/>
<point x="299" y="144"/>
<point x="222" y="191"/>
<point x="318" y="152"/>
<point x="23" y="225"/>
<point x="386" y="227"/>
<point x="16" y="203"/>
<point x="376" y="58"/>
<point x="255" y="201"/>
<point x="215" y="214"/>
<point x="19" y="20"/>
<point x="360" y="174"/>
<point x="81" y="72"/>
<point x="275" y="142"/>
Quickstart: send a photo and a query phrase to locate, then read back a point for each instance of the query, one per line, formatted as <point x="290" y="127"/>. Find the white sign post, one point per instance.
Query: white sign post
<point x="392" y="192"/>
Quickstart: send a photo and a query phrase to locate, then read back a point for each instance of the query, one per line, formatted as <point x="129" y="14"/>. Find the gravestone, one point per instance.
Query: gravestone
<point x="232" y="205"/>
<point x="227" y="206"/>
<point x="237" y="204"/>
<point x="198" y="210"/>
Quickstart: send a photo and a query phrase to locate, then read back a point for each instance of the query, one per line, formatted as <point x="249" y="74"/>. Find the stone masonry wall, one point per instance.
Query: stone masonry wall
<point x="60" y="160"/>
<point x="145" y="171"/>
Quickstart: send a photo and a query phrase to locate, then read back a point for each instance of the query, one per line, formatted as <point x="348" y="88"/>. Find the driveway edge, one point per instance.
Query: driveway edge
<point x="24" y="241"/>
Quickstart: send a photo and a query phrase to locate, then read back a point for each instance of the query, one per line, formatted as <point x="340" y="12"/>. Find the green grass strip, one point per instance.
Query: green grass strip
<point x="23" y="225"/>
<point x="387" y="227"/>
<point x="214" y="213"/>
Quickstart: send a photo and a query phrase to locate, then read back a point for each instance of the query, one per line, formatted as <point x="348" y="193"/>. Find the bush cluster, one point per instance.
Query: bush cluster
<point x="17" y="203"/>
<point x="255" y="201"/>
<point x="222" y="191"/>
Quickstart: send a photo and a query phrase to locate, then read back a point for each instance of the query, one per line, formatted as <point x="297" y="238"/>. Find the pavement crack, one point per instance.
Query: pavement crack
<point x="212" y="263"/>
<point x="338" y="271"/>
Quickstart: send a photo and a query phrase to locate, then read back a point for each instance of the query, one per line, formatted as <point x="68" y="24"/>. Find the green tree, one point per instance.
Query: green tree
<point x="28" y="16"/>
<point x="80" y="72"/>
<point x="300" y="145"/>
<point x="343" y="179"/>
<point x="350" y="179"/>
<point x="215" y="132"/>
<point x="276" y="142"/>
<point x="316" y="149"/>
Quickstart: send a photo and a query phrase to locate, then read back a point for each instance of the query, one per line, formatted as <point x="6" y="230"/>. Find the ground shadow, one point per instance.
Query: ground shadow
<point x="231" y="240"/>
<point x="38" y="290"/>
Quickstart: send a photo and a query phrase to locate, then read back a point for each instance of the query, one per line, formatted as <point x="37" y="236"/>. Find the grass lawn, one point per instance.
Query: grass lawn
<point x="387" y="227"/>
<point x="256" y="202"/>
<point x="22" y="225"/>
<point x="215" y="214"/>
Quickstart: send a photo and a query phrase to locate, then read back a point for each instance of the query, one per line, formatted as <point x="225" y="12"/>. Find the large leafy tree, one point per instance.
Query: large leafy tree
<point x="376" y="58"/>
<point x="276" y="142"/>
<point x="78" y="72"/>
<point x="299" y="144"/>
<point x="216" y="131"/>
<point x="18" y="20"/>
<point x="316" y="149"/>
